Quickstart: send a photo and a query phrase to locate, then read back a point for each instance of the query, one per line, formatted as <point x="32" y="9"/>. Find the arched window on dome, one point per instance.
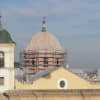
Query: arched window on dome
<point x="45" y="61"/>
<point x="1" y="59"/>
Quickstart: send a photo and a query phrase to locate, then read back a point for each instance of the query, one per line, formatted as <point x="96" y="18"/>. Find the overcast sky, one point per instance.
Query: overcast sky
<point x="76" y="23"/>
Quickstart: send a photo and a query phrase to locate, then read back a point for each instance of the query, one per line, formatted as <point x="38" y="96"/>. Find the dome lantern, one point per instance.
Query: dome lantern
<point x="44" y="24"/>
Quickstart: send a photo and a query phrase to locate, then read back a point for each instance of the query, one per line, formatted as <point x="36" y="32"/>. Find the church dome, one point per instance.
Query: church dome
<point x="44" y="41"/>
<point x="43" y="52"/>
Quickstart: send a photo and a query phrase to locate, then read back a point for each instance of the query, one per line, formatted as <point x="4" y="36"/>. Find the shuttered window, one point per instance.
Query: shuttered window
<point x="45" y="62"/>
<point x="1" y="59"/>
<point x="1" y="80"/>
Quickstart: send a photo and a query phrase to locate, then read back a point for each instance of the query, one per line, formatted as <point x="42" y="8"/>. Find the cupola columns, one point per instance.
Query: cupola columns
<point x="0" y="23"/>
<point x="43" y="24"/>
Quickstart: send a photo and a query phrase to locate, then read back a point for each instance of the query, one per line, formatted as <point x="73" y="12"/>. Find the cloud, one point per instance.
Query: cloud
<point x="52" y="7"/>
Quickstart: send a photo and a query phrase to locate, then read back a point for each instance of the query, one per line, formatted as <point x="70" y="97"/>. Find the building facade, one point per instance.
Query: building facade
<point x="6" y="60"/>
<point x="44" y="66"/>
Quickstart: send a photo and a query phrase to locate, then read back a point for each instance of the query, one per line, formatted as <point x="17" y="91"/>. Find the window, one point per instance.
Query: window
<point x="57" y="62"/>
<point x="1" y="59"/>
<point x="1" y="80"/>
<point x="62" y="84"/>
<point x="33" y="62"/>
<point x="45" y="62"/>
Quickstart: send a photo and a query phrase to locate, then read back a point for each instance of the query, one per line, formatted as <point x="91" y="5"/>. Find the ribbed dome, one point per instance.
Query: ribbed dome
<point x="44" y="41"/>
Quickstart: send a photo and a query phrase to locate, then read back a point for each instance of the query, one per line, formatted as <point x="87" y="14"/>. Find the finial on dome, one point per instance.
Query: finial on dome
<point x="0" y="23"/>
<point x="43" y="24"/>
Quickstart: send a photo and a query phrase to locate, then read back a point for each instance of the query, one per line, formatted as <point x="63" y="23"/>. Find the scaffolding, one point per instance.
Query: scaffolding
<point x="35" y="61"/>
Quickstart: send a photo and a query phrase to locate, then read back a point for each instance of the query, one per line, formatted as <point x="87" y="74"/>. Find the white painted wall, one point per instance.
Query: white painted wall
<point x="8" y="71"/>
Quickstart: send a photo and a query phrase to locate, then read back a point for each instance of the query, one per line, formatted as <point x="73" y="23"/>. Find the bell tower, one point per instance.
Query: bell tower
<point x="6" y="60"/>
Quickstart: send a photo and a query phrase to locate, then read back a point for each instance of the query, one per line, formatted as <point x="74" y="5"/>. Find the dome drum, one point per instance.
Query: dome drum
<point x="34" y="62"/>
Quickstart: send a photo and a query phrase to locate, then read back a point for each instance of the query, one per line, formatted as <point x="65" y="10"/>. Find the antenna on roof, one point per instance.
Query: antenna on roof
<point x="0" y="22"/>
<point x="43" y="24"/>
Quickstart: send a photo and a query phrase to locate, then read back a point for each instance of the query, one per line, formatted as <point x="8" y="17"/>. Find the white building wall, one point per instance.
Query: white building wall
<point x="8" y="71"/>
<point x="4" y="73"/>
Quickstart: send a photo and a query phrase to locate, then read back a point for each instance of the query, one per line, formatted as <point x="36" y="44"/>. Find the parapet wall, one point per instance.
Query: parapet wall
<point x="51" y="95"/>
